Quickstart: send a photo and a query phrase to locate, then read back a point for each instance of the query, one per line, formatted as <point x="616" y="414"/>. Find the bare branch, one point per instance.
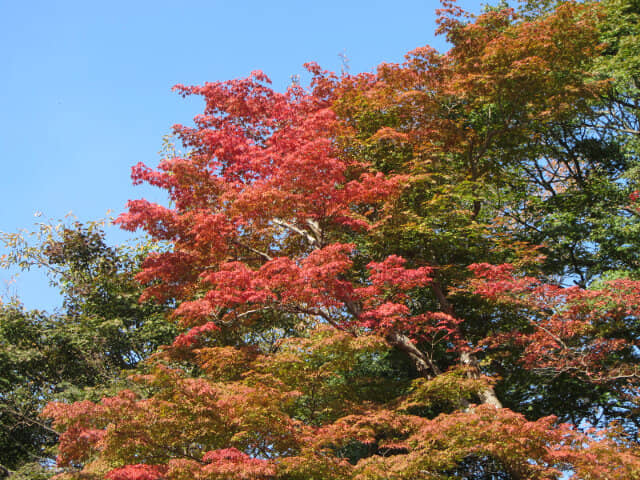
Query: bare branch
<point x="311" y="239"/>
<point x="264" y="255"/>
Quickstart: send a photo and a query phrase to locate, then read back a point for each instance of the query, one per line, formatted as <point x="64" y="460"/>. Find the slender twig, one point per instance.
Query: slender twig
<point x="29" y="419"/>
<point x="264" y="255"/>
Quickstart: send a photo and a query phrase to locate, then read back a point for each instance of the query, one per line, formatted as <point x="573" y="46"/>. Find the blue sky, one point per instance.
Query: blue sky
<point x="85" y="89"/>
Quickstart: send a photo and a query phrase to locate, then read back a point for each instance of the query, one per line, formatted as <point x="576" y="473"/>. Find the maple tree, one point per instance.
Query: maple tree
<point x="361" y="288"/>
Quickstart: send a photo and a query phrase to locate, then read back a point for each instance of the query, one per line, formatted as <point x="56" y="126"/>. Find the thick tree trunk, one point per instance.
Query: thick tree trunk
<point x="422" y="362"/>
<point x="487" y="395"/>
<point x="467" y="359"/>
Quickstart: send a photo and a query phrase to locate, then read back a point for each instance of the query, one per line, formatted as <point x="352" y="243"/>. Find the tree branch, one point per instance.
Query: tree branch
<point x="29" y="419"/>
<point x="467" y="359"/>
<point x="311" y="239"/>
<point x="422" y="362"/>
<point x="264" y="255"/>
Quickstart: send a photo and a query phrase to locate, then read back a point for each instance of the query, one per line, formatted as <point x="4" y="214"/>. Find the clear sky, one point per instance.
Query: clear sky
<point x="85" y="86"/>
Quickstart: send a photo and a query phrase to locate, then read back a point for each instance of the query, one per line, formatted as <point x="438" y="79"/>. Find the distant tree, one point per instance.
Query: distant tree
<point x="82" y="351"/>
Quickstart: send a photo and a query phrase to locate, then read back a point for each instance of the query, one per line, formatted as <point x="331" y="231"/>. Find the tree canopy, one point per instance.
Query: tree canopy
<point x="425" y="272"/>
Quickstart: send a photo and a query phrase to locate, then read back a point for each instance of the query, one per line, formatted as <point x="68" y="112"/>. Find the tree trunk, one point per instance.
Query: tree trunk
<point x="487" y="395"/>
<point x="467" y="359"/>
<point x="422" y="362"/>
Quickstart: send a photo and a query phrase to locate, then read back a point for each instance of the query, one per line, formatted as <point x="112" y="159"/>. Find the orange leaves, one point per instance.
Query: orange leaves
<point x="230" y="461"/>
<point x="389" y="134"/>
<point x="224" y="363"/>
<point x="502" y="57"/>
<point x="138" y="472"/>
<point x="370" y="428"/>
<point x="383" y="444"/>
<point x="504" y="77"/>
<point x="407" y="447"/>
<point x="497" y="440"/>
<point x="215" y="465"/>
<point x="195" y="412"/>
<point x="519" y="446"/>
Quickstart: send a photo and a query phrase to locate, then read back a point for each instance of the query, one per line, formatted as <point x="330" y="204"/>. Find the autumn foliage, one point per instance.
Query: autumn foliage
<point x="360" y="294"/>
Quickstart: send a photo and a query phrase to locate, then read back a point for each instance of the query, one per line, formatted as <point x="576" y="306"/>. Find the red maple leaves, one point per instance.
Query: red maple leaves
<point x="588" y="333"/>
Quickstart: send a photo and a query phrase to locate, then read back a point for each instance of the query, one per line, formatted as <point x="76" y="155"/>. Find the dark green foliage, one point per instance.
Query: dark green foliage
<point x="572" y="198"/>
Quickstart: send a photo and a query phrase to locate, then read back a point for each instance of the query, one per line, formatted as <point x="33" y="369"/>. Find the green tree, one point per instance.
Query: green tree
<point x="82" y="351"/>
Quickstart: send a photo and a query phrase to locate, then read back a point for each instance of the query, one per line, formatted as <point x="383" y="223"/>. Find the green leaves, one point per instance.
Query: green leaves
<point x="80" y="352"/>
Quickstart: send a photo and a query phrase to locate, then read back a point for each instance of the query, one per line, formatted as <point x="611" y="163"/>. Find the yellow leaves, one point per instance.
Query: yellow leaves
<point x="224" y="363"/>
<point x="391" y="135"/>
<point x="449" y="391"/>
<point x="323" y="372"/>
<point x="371" y="427"/>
